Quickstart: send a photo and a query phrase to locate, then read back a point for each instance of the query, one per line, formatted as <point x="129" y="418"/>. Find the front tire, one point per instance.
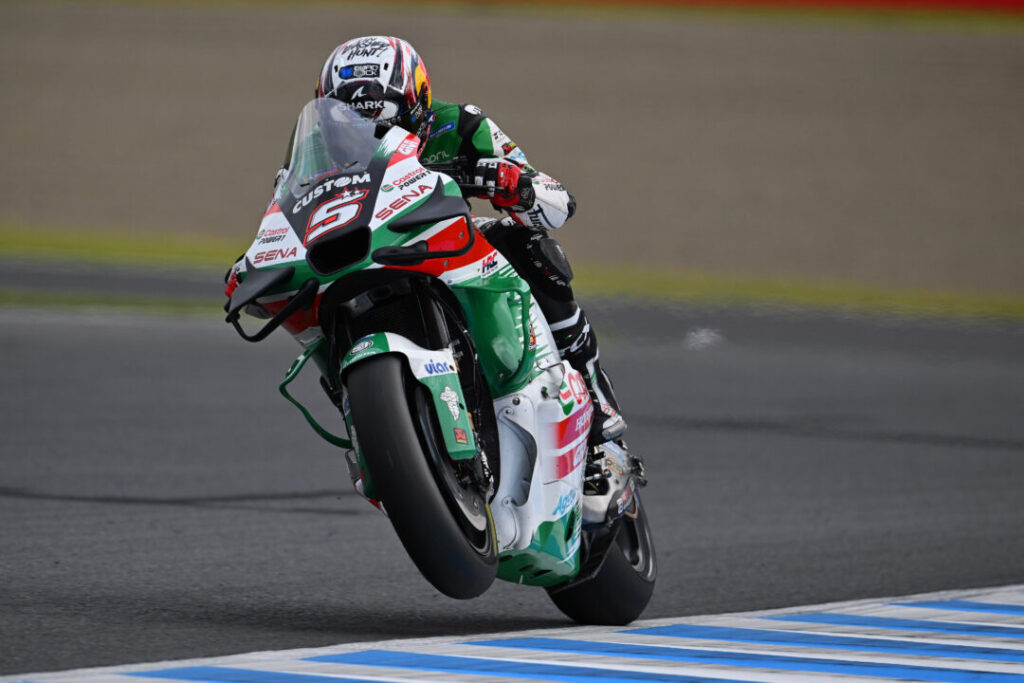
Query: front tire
<point x="444" y="523"/>
<point x="622" y="586"/>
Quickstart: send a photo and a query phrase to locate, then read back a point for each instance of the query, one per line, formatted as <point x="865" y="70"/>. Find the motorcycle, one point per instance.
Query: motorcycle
<point x="462" y="424"/>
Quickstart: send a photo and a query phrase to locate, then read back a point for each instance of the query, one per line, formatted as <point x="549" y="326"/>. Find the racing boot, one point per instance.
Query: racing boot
<point x="578" y="345"/>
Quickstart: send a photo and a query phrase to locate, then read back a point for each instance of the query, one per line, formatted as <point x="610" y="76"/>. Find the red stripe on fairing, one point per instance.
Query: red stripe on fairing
<point x="449" y="239"/>
<point x="567" y="463"/>
<point x="570" y="429"/>
<point x="574" y="428"/>
<point x="272" y="208"/>
<point x="299" y="321"/>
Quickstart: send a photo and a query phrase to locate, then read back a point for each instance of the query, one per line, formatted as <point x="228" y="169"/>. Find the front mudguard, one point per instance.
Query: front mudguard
<point x="438" y="372"/>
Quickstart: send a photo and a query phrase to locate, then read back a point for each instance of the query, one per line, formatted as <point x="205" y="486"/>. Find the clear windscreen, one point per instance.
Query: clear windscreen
<point x="329" y="139"/>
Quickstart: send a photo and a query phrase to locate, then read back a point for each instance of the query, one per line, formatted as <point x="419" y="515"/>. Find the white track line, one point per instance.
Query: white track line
<point x="975" y="635"/>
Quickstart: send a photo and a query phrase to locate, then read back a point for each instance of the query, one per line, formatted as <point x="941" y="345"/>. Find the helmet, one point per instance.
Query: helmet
<point x="381" y="78"/>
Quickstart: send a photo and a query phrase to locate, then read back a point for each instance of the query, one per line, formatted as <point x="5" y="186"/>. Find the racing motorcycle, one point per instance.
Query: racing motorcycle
<point x="461" y="422"/>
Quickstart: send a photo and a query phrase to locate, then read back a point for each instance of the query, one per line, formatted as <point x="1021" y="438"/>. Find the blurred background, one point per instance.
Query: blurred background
<point x="846" y="147"/>
<point x="159" y="500"/>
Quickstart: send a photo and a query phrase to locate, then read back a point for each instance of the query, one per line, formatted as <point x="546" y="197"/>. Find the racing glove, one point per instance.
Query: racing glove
<point x="506" y="185"/>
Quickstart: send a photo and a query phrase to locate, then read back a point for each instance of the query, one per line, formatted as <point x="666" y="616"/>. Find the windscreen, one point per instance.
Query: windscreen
<point x="329" y="139"/>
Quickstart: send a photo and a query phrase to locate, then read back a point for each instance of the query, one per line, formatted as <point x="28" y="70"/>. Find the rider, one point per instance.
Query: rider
<point x="384" y="79"/>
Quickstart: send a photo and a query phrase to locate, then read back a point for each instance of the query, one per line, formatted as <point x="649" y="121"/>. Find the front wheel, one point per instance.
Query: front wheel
<point x="622" y="586"/>
<point x="437" y="511"/>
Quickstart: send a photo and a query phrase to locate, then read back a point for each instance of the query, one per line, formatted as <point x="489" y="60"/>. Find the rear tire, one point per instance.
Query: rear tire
<point x="445" y="525"/>
<point x="622" y="586"/>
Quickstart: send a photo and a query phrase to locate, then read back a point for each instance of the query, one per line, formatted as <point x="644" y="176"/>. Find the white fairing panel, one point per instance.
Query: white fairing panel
<point x="543" y="432"/>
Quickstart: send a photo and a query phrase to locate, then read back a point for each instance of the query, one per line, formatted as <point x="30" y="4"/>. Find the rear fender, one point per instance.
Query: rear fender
<point x="437" y="371"/>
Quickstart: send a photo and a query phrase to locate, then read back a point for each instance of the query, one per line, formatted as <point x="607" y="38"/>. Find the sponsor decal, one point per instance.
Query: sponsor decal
<point x="438" y="368"/>
<point x="473" y="109"/>
<point x="583" y="421"/>
<point x="566" y="502"/>
<point x="334" y="214"/>
<point x="366" y="105"/>
<point x="460" y="436"/>
<point x="578" y="387"/>
<point x="326" y="186"/>
<point x="442" y="130"/>
<point x="403" y="200"/>
<point x="365" y="47"/>
<point x="488" y="266"/>
<point x="518" y="157"/>
<point x="626" y="498"/>
<point x="437" y="158"/>
<point x="408" y="179"/>
<point x="361" y="346"/>
<point x="571" y="429"/>
<point x="274" y="255"/>
<point x="581" y="453"/>
<point x="452" y="399"/>
<point x="536" y="217"/>
<point x="271" y="239"/>
<point x="360" y="71"/>
<point x="572" y="392"/>
<point x="386" y="188"/>
<point x="567" y="463"/>
<point x="272" y="232"/>
<point x="409" y="145"/>
<point x="507" y="147"/>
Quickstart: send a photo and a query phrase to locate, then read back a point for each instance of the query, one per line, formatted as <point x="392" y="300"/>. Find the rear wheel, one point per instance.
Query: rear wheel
<point x="434" y="504"/>
<point x="622" y="586"/>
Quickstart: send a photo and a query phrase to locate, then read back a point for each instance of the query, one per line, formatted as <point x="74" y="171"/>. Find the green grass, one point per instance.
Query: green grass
<point x="215" y="255"/>
<point x="706" y="289"/>
<point x="119" y="247"/>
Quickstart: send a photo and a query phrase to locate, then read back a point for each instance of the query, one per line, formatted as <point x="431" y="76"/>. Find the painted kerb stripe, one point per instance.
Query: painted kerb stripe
<point x="905" y="624"/>
<point x="966" y="606"/>
<point x="832" y="642"/>
<point x="502" y="668"/>
<point x="752" y="660"/>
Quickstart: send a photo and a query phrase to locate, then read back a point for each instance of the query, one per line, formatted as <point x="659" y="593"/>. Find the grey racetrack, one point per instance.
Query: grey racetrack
<point x="159" y="500"/>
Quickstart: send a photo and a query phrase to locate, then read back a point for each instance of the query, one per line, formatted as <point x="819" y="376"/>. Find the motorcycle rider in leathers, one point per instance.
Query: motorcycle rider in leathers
<point x="384" y="79"/>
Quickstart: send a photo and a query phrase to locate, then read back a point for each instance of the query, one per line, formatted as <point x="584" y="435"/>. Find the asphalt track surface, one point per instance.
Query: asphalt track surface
<point x="160" y="500"/>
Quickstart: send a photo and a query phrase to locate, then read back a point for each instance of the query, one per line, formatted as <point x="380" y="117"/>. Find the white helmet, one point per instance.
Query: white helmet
<point x="381" y="78"/>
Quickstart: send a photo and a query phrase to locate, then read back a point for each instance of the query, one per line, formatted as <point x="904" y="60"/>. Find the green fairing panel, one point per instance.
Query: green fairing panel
<point x="549" y="560"/>
<point x="318" y="353"/>
<point x="456" y="431"/>
<point x="497" y="313"/>
<point x="444" y="389"/>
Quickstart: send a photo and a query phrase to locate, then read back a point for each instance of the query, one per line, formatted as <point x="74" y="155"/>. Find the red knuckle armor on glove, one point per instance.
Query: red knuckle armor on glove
<point x="499" y="177"/>
<point x="504" y="182"/>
